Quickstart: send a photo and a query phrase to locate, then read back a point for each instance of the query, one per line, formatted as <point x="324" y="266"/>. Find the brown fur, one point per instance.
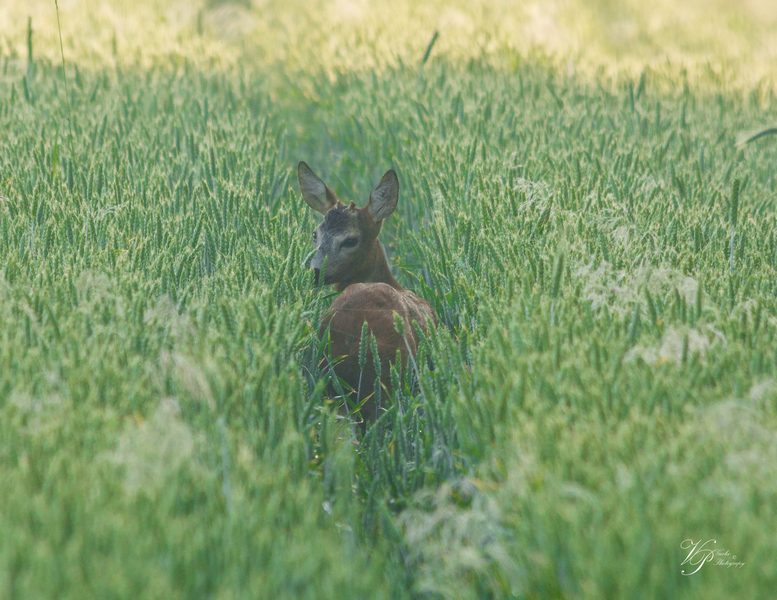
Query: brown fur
<point x="369" y="291"/>
<point x="375" y="304"/>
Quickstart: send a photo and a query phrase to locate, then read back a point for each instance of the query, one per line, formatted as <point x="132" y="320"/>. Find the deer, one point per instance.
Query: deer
<point x="349" y="256"/>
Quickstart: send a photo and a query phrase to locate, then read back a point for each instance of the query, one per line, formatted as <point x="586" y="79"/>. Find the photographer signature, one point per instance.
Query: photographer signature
<point x="701" y="553"/>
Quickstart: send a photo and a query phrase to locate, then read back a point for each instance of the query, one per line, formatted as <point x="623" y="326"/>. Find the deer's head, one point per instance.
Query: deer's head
<point x="346" y="241"/>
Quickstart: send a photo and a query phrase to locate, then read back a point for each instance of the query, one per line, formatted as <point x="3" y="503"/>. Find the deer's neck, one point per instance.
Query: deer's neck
<point x="375" y="269"/>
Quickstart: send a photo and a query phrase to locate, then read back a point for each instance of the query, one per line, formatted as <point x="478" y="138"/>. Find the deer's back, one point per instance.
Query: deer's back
<point x="376" y="304"/>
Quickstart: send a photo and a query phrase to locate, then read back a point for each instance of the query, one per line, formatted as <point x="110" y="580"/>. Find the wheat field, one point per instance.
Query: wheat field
<point x="576" y="204"/>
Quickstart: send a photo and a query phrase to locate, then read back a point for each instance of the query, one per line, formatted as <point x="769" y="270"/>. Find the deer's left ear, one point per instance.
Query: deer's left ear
<point x="315" y="192"/>
<point x="383" y="199"/>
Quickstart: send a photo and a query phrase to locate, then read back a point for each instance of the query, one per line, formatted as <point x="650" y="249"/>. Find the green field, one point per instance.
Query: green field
<point x="601" y="252"/>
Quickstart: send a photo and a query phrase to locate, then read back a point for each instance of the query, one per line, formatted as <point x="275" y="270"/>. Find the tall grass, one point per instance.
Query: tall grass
<point x="602" y="385"/>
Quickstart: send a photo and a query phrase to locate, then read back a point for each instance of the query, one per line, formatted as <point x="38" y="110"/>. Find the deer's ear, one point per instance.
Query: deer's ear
<point x="383" y="199"/>
<point x="315" y="192"/>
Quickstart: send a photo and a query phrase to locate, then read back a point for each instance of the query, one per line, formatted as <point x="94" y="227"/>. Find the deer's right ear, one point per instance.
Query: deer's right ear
<point x="383" y="199"/>
<point x="315" y="192"/>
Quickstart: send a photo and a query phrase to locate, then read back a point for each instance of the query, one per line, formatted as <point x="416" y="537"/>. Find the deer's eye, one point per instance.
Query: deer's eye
<point x="349" y="242"/>
<point x="314" y="235"/>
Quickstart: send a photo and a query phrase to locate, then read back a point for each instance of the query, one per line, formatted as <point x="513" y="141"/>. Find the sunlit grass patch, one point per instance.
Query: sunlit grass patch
<point x="718" y="44"/>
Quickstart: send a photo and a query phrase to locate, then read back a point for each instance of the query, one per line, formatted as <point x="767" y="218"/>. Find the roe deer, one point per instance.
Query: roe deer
<point x="348" y="252"/>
